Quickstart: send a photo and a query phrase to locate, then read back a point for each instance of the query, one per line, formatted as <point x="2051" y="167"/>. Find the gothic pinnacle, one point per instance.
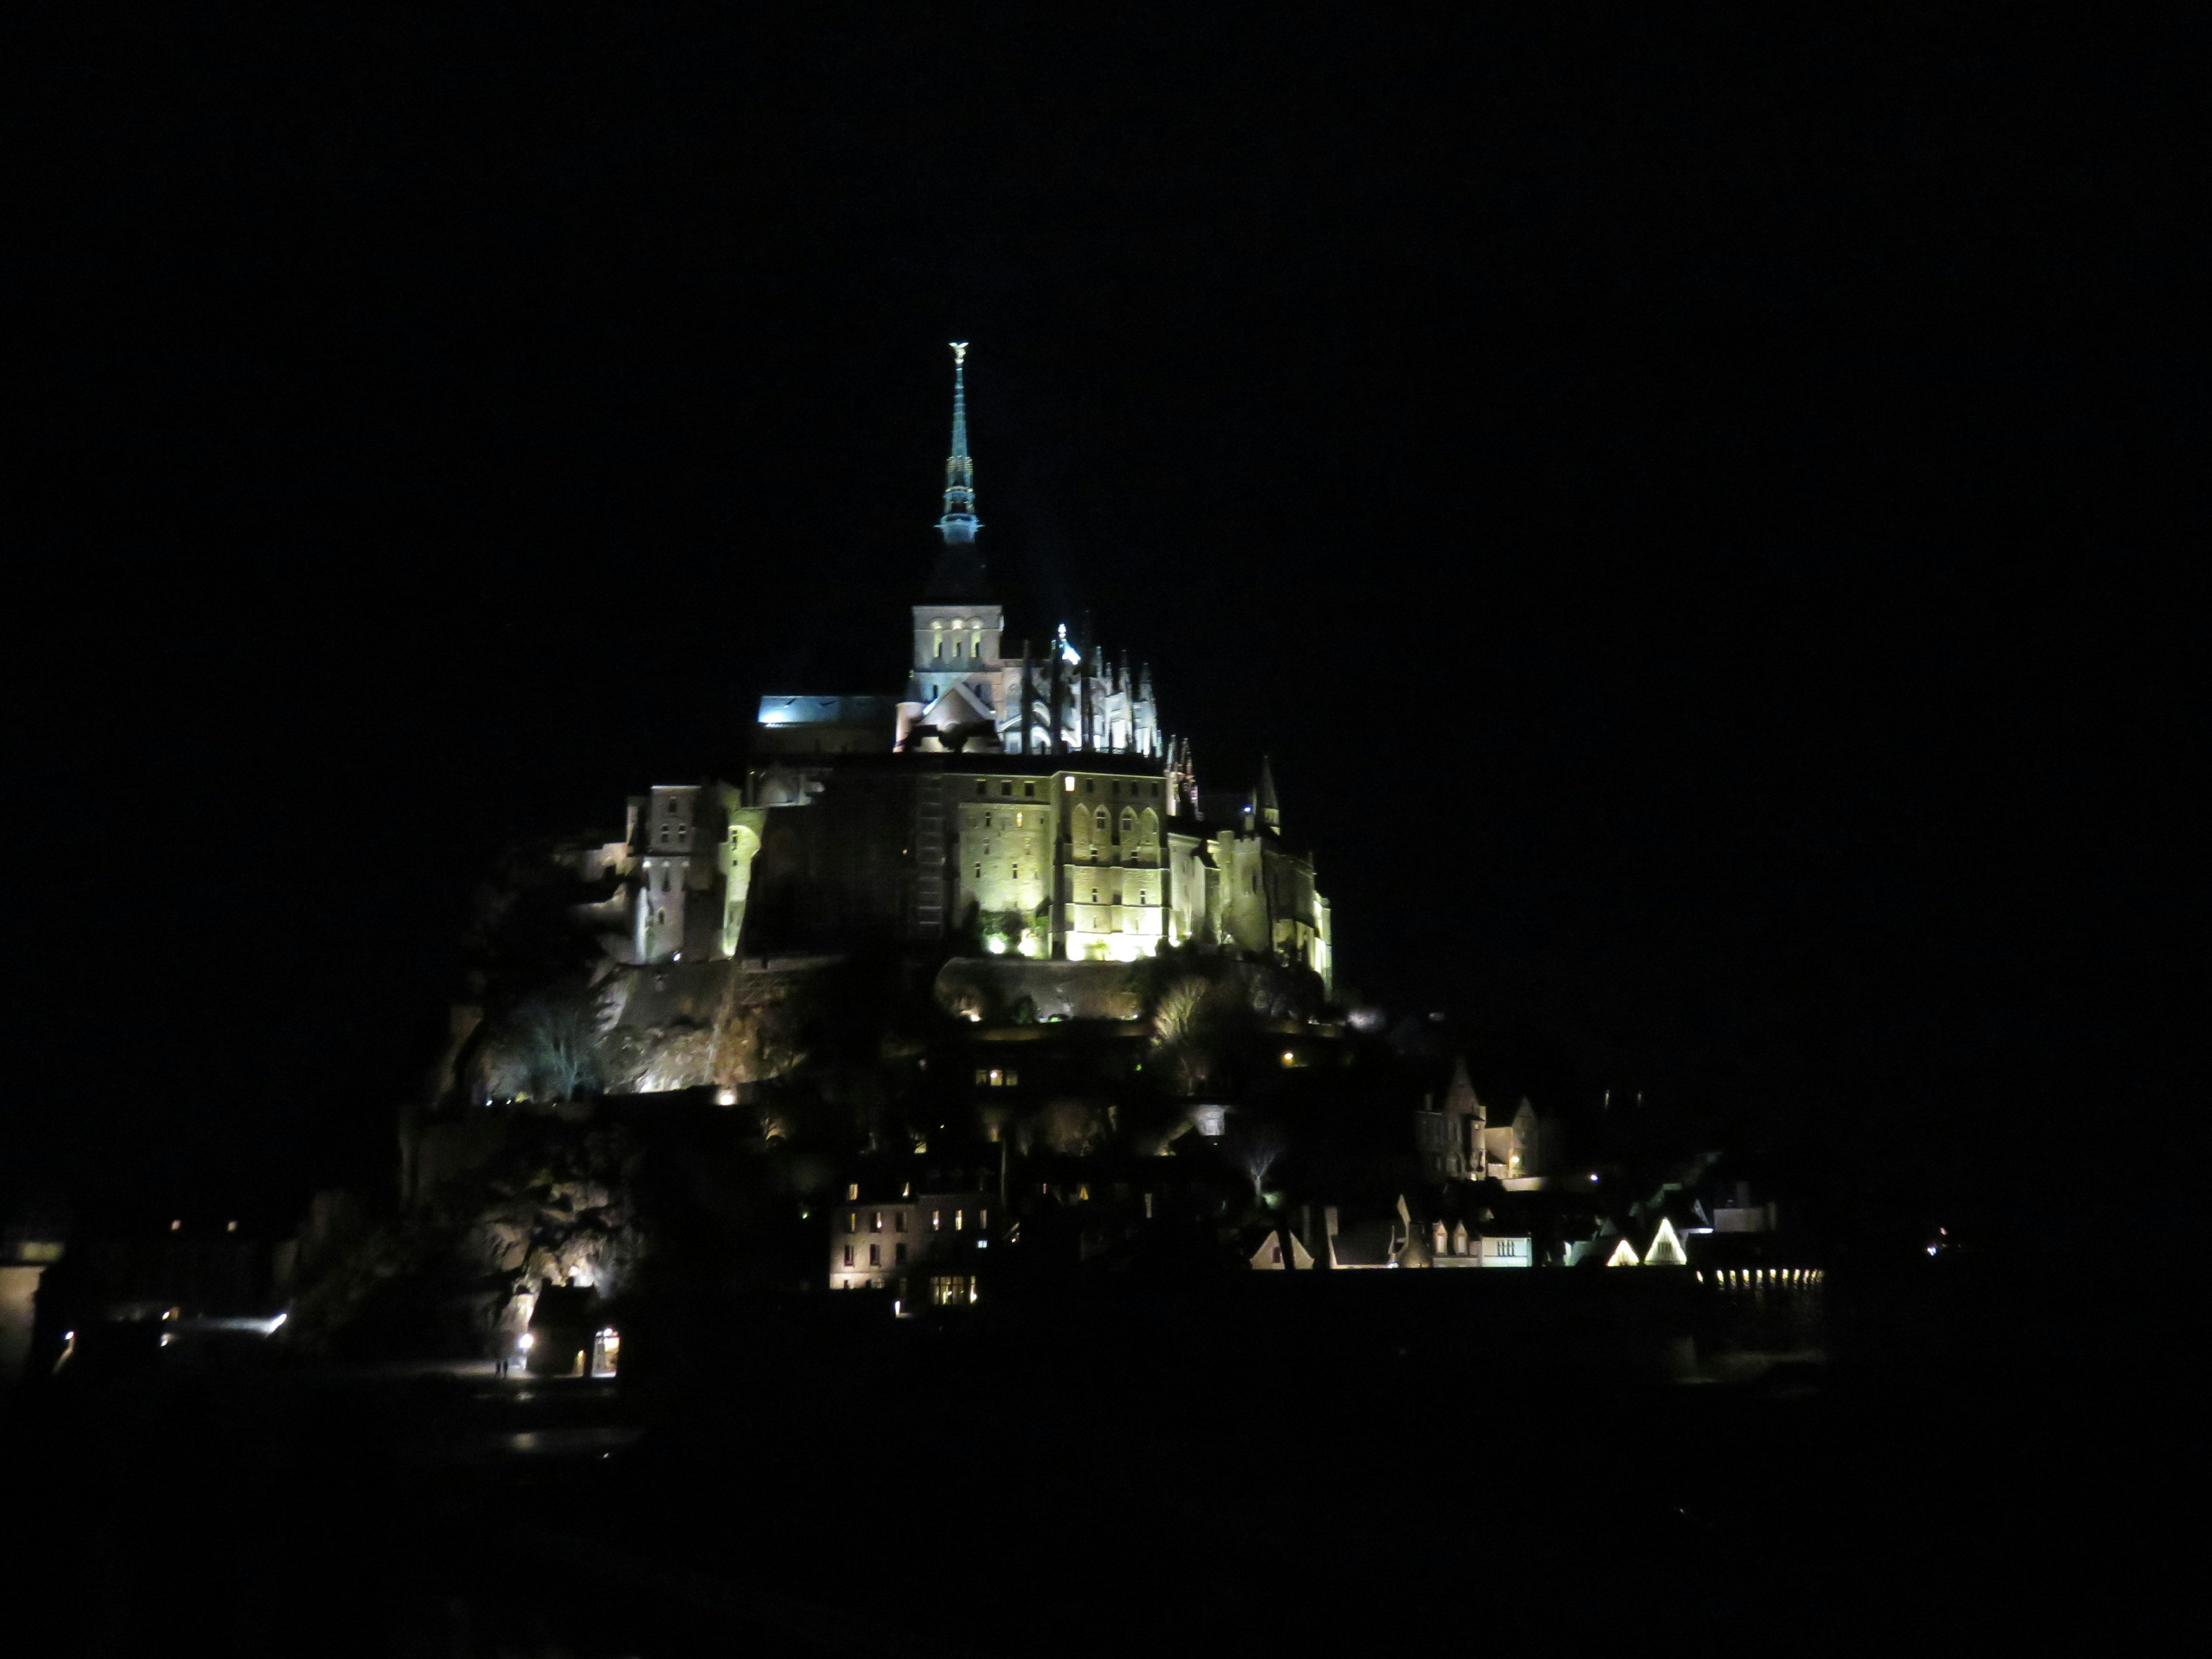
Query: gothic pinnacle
<point x="959" y="523"/>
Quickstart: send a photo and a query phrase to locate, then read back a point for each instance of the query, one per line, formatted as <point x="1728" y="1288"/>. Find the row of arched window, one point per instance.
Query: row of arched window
<point x="1132" y="824"/>
<point x="964" y="648"/>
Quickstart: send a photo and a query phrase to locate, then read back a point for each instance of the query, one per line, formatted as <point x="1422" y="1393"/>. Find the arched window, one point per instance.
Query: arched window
<point x="1104" y="831"/>
<point x="1152" y="822"/>
<point x="1128" y="823"/>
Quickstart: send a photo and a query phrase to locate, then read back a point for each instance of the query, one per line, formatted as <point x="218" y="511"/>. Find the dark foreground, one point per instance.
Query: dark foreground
<point x="1183" y="1480"/>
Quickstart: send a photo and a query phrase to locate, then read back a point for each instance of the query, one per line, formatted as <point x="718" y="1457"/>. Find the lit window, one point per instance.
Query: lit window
<point x="982" y="1217"/>
<point x="957" y="1218"/>
<point x="937" y="1221"/>
<point x="852" y="1221"/>
<point x="852" y="1191"/>
<point x="876" y="1222"/>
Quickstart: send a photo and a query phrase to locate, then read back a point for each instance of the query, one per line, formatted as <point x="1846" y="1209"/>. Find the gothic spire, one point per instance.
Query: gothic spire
<point x="958" y="577"/>
<point x="959" y="523"/>
<point x="1270" y="808"/>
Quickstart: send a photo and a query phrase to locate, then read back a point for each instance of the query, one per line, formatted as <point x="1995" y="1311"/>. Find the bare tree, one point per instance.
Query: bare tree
<point x="559" y="1041"/>
<point x="1182" y="1033"/>
<point x="1257" y="1151"/>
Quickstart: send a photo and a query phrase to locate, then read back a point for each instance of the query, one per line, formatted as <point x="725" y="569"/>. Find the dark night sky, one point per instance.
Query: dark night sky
<point x="1685" y="503"/>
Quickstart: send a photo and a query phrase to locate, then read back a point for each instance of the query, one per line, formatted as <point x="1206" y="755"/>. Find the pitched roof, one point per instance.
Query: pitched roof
<point x="1365" y="1245"/>
<point x="965" y="712"/>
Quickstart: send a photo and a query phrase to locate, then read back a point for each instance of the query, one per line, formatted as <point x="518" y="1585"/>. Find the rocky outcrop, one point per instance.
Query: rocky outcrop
<point x="995" y="989"/>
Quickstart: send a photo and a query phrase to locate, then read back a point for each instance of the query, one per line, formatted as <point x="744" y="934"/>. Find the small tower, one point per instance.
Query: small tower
<point x="1269" y="809"/>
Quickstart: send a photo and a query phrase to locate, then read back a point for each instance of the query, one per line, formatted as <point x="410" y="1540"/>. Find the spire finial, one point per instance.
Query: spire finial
<point x="959" y="523"/>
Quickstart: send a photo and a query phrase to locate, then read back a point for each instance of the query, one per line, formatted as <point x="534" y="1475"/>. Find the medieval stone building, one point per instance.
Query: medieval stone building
<point x="1025" y="790"/>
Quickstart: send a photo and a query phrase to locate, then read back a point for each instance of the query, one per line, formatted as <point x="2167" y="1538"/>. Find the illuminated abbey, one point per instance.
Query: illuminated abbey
<point x="1019" y="790"/>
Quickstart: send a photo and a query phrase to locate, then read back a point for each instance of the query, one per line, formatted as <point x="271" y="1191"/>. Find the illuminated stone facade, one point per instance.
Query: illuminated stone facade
<point x="929" y="1248"/>
<point x="684" y="870"/>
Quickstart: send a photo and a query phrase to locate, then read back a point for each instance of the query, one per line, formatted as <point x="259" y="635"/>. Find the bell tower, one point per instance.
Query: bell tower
<point x="958" y="677"/>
